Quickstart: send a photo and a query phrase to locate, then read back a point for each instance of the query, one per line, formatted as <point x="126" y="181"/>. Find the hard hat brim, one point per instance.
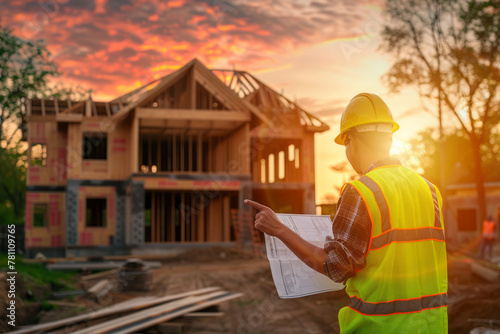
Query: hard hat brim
<point x="339" y="139"/>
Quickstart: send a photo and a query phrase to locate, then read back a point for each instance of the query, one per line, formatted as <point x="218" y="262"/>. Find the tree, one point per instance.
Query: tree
<point x="459" y="167"/>
<point x="450" y="51"/>
<point x="24" y="71"/>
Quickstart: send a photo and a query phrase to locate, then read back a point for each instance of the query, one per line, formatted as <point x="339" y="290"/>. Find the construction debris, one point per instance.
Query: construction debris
<point x="136" y="275"/>
<point x="146" y="312"/>
<point x="101" y="289"/>
<point x="102" y="274"/>
<point x="94" y="265"/>
<point x="132" y="323"/>
<point x="488" y="274"/>
<point x="65" y="294"/>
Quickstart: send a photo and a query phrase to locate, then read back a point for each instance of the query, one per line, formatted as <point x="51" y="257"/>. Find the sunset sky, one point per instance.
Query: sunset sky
<point x="319" y="53"/>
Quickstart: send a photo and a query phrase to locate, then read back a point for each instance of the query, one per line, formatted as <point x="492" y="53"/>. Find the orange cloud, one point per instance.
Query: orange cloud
<point x="174" y="4"/>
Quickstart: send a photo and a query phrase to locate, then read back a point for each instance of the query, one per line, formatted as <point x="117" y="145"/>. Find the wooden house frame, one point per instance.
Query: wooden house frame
<point x="164" y="164"/>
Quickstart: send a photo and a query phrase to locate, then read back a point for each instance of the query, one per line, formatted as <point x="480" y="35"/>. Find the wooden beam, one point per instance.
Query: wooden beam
<point x="183" y="217"/>
<point x="201" y="220"/>
<point x="128" y="305"/>
<point x="88" y="109"/>
<point x="192" y="219"/>
<point x="174" y="153"/>
<point x="29" y="108"/>
<point x="190" y="115"/>
<point x="210" y="154"/>
<point x="226" y="219"/>
<point x="42" y="101"/>
<point x="69" y="118"/>
<point x="182" y="149"/>
<point x="172" y="216"/>
<point x="192" y="90"/>
<point x="56" y="106"/>
<point x="108" y="109"/>
<point x="199" y="151"/>
<point x="153" y="217"/>
<point x="190" y="153"/>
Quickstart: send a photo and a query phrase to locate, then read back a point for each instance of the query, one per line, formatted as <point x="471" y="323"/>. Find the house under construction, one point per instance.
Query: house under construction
<point x="164" y="164"/>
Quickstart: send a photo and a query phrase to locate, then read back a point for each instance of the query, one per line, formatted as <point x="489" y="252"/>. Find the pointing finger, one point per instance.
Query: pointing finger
<point x="255" y="205"/>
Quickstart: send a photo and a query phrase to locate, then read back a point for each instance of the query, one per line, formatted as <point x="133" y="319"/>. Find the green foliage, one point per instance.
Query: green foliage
<point x="47" y="306"/>
<point x="40" y="274"/>
<point x="24" y="70"/>
<point x="12" y="183"/>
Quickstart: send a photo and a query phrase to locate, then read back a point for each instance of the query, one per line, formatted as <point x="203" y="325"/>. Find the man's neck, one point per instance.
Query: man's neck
<point x="371" y="159"/>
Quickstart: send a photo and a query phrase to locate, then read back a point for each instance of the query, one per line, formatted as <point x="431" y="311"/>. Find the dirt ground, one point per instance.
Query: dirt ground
<point x="260" y="310"/>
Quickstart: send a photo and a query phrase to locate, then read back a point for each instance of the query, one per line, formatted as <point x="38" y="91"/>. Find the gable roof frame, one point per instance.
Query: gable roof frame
<point x="208" y="77"/>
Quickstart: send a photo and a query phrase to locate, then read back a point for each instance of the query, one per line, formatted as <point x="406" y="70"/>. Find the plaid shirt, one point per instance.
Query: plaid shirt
<point x="351" y="232"/>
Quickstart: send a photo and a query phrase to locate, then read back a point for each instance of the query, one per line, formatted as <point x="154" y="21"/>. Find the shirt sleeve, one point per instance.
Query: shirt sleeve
<point x="351" y="237"/>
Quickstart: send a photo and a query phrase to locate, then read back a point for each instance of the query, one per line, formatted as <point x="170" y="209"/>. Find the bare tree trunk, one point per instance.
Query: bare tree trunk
<point x="479" y="177"/>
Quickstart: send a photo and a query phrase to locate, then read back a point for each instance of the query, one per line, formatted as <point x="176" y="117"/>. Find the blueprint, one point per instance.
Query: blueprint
<point x="291" y="276"/>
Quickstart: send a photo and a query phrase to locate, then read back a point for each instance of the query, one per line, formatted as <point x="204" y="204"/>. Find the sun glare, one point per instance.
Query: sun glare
<point x="399" y="147"/>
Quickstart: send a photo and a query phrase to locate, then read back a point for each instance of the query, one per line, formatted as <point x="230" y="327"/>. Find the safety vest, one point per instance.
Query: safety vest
<point x="403" y="287"/>
<point x="489" y="229"/>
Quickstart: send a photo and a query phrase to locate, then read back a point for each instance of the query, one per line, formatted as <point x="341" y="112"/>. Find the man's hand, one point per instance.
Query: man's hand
<point x="266" y="220"/>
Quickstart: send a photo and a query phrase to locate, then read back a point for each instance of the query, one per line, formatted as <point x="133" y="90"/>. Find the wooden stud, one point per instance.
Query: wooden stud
<point x="162" y="221"/>
<point x="56" y="106"/>
<point x="192" y="84"/>
<point x="29" y="107"/>
<point x="43" y="107"/>
<point x="149" y="153"/>
<point x="158" y="154"/>
<point x="172" y="216"/>
<point x="199" y="151"/>
<point x="174" y="153"/>
<point x="160" y="207"/>
<point x="210" y="154"/>
<point x="190" y="153"/>
<point x="69" y="104"/>
<point x="183" y="217"/>
<point x="94" y="108"/>
<point x="182" y="147"/>
<point x="227" y="223"/>
<point x="108" y="109"/>
<point x="88" y="109"/>
<point x="193" y="219"/>
<point x="201" y="220"/>
<point x="134" y="145"/>
<point x="153" y="217"/>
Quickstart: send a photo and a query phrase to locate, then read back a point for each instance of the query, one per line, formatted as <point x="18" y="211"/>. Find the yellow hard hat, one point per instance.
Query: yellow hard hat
<point x="366" y="109"/>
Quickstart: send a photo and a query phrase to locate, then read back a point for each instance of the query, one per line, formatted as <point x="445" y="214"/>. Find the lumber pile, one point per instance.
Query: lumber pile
<point x="140" y="313"/>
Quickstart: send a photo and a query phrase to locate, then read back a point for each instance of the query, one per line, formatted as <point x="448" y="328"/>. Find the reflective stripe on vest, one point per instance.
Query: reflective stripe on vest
<point x="381" y="202"/>
<point x="407" y="235"/>
<point x="399" y="306"/>
<point x="389" y="235"/>
<point x="404" y="281"/>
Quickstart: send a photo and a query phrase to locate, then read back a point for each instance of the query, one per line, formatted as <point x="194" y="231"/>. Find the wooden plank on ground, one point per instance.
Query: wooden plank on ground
<point x="204" y="314"/>
<point x="162" y="313"/>
<point x="99" y="275"/>
<point x="117" y="324"/>
<point x="126" y="306"/>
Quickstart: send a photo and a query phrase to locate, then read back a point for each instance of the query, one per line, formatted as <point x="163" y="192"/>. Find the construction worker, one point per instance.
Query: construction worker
<point x="388" y="238"/>
<point x="488" y="236"/>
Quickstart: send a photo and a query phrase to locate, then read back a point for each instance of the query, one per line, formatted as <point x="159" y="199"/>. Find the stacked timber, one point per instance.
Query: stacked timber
<point x="139" y="313"/>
